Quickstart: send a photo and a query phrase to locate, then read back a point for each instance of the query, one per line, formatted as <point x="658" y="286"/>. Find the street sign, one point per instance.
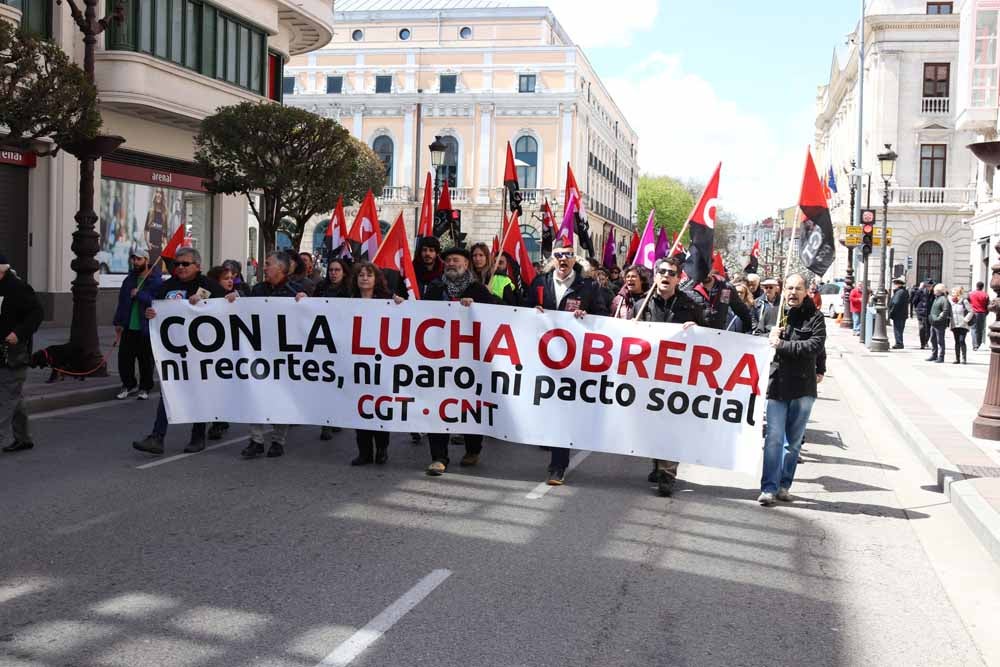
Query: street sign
<point x="856" y="230"/>
<point x="909" y="262"/>
<point x="853" y="240"/>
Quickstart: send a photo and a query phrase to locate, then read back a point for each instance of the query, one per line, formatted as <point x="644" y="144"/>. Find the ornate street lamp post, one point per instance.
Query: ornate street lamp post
<point x="880" y="340"/>
<point x="86" y="241"/>
<point x="438" y="150"/>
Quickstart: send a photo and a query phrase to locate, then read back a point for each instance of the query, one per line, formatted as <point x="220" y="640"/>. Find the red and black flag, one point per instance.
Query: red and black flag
<point x="582" y="226"/>
<point x="817" y="248"/>
<point x="633" y="247"/>
<point x="752" y="265"/>
<point x="510" y="182"/>
<point x="548" y="228"/>
<point x="701" y="225"/>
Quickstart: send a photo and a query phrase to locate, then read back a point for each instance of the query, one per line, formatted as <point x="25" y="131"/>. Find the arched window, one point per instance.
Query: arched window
<point x="383" y="148"/>
<point x="930" y="258"/>
<point x="531" y="242"/>
<point x="526" y="150"/>
<point x="449" y="170"/>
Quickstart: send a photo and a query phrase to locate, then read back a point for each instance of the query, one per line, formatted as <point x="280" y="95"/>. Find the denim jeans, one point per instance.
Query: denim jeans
<point x="937" y="341"/>
<point x="786" y="422"/>
<point x="857" y="322"/>
<point x="898" y="323"/>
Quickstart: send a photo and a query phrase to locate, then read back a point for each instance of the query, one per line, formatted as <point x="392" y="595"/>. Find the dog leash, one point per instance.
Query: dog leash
<point x="104" y="362"/>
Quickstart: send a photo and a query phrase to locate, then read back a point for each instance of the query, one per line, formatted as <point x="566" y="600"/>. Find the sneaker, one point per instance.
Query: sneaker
<point x="469" y="460"/>
<point x="252" y="450"/>
<point x="556" y="477"/>
<point x="436" y="468"/>
<point x="125" y="393"/>
<point x="143" y="395"/>
<point x="784" y="496"/>
<point x="766" y="499"/>
<point x="151" y="444"/>
<point x="275" y="450"/>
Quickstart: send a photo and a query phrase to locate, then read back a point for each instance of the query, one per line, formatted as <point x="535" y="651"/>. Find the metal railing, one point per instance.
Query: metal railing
<point x="935" y="105"/>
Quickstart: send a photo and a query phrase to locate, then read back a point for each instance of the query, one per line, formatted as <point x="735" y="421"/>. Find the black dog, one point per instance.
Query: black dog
<point x="65" y="361"/>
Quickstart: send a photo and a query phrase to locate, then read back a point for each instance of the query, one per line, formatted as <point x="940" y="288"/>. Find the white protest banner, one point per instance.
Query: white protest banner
<point x="597" y="383"/>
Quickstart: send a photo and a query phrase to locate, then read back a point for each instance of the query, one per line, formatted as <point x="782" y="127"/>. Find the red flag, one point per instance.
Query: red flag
<point x="571" y="188"/>
<point x="503" y="227"/>
<point x="752" y="265"/>
<point x="718" y="266"/>
<point x="365" y="229"/>
<point x="513" y="247"/>
<point x="548" y="218"/>
<point x="336" y="230"/>
<point x="702" y="228"/>
<point x="633" y="246"/>
<point x="444" y="204"/>
<point x="496" y="245"/>
<point x="426" y="226"/>
<point x="175" y="242"/>
<point x="394" y="253"/>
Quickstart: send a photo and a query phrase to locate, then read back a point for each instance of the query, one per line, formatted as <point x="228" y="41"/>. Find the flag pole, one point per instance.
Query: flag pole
<point x="652" y="288"/>
<point x="782" y="318"/>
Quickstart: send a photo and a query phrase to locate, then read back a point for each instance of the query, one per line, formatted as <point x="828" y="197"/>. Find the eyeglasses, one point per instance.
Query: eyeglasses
<point x="184" y="264"/>
<point x="562" y="255"/>
<point x="667" y="272"/>
<point x="770" y="287"/>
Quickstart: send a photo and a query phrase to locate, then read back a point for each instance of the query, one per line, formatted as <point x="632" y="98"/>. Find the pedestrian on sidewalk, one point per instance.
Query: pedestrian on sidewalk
<point x="980" y="302"/>
<point x="921" y="302"/>
<point x="798" y="340"/>
<point x="20" y="316"/>
<point x="961" y="317"/>
<point x="898" y="307"/>
<point x="277" y="283"/>
<point x="132" y="327"/>
<point x="188" y="282"/>
<point x="855" y="299"/>
<point x="669" y="303"/>
<point x="939" y="317"/>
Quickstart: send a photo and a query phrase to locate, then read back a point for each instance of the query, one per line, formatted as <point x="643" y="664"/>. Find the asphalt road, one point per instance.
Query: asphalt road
<point x="209" y="560"/>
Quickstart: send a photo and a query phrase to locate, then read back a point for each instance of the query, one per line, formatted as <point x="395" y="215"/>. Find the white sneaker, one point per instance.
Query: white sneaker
<point x="143" y="395"/>
<point x="125" y="393"/>
<point x="784" y="496"/>
<point x="766" y="499"/>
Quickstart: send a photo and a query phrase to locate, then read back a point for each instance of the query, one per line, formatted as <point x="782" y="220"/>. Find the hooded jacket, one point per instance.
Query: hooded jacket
<point x="123" y="312"/>
<point x="803" y="341"/>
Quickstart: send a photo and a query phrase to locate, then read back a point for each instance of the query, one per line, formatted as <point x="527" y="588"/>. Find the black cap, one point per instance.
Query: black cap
<point x="457" y="251"/>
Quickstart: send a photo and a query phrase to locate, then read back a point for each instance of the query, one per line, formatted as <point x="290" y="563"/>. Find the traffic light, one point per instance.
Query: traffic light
<point x="442" y="223"/>
<point x="456" y="221"/>
<point x="867" y="238"/>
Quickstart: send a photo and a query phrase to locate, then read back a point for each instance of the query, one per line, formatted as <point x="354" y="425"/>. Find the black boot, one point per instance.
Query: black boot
<point x="381" y="454"/>
<point x="364" y="456"/>
<point x="217" y="430"/>
<point x="151" y="444"/>
<point x="252" y="450"/>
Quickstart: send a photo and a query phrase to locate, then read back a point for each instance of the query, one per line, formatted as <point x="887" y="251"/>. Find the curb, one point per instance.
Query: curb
<point x="73" y="398"/>
<point x="976" y="511"/>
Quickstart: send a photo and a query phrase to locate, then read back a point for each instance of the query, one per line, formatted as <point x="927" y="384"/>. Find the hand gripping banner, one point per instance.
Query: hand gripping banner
<point x="597" y="383"/>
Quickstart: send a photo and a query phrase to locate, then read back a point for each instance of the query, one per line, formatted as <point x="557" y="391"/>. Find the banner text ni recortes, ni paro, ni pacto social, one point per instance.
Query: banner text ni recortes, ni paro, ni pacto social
<point x="596" y="383"/>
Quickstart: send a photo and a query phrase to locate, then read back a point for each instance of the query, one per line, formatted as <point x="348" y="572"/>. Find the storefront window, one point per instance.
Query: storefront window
<point x="146" y="216"/>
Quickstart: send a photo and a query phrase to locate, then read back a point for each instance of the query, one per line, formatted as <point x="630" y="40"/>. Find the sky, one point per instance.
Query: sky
<point x="705" y="81"/>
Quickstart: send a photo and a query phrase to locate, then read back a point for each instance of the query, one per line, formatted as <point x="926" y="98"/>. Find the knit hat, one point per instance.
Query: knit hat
<point x="457" y="251"/>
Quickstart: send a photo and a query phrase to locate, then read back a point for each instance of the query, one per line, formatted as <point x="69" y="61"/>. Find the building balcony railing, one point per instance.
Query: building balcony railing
<point x="394" y="194"/>
<point x="461" y="194"/>
<point x="935" y="105"/>
<point x="916" y="196"/>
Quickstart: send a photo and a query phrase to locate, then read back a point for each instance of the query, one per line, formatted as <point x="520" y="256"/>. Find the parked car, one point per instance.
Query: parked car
<point x="832" y="296"/>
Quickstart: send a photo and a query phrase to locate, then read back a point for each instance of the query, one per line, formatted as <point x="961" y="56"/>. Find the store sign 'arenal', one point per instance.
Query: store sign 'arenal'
<point x="17" y="158"/>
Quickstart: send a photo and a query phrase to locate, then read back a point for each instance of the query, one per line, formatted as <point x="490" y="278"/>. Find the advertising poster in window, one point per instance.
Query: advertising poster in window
<point x="146" y="216"/>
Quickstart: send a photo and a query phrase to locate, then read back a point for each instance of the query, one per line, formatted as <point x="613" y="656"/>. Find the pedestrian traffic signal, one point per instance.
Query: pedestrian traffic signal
<point x="867" y="238"/>
<point x="456" y="220"/>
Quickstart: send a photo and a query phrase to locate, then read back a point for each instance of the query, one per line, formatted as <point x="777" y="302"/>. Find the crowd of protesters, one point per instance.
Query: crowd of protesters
<point x="567" y="283"/>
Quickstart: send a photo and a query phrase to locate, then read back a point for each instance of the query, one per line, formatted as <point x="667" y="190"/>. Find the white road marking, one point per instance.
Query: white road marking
<point x="75" y="409"/>
<point x="544" y="488"/>
<point x="357" y="643"/>
<point x="178" y="457"/>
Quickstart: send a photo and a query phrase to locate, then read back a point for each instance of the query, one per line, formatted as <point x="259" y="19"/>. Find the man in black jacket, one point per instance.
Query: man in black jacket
<point x="188" y="282"/>
<point x="426" y="262"/>
<point x="898" y="307"/>
<point x="791" y="392"/>
<point x="565" y="288"/>
<point x="921" y="302"/>
<point x="20" y="316"/>
<point x="457" y="283"/>
<point x="670" y="304"/>
<point x="721" y="297"/>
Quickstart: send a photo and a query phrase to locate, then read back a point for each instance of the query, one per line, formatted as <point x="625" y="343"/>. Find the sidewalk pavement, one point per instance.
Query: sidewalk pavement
<point x="41" y="396"/>
<point x="932" y="406"/>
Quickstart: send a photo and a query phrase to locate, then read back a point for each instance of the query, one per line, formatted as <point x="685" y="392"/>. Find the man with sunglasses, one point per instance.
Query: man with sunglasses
<point x="188" y="282"/>
<point x="669" y="303"/>
<point x="566" y="289"/>
<point x="765" y="309"/>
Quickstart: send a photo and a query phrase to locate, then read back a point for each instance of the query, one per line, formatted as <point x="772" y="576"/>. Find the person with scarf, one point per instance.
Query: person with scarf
<point x="632" y="292"/>
<point x="457" y="283"/>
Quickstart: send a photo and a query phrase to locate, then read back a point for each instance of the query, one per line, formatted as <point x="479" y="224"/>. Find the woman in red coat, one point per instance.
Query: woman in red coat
<point x="856" y="308"/>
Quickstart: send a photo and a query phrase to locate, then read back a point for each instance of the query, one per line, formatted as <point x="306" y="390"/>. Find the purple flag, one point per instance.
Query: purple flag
<point x="564" y="237"/>
<point x="609" y="251"/>
<point x="646" y="254"/>
<point x="662" y="244"/>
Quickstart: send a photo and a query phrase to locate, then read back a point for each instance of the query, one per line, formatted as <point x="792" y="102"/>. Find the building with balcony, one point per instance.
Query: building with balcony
<point x="911" y="82"/>
<point x="976" y="110"/>
<point x="159" y="72"/>
<point x="478" y="74"/>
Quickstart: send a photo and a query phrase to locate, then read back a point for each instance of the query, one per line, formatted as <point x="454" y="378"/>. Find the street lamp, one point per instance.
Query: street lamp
<point x="438" y="150"/>
<point x="887" y="165"/>
<point x="847" y="321"/>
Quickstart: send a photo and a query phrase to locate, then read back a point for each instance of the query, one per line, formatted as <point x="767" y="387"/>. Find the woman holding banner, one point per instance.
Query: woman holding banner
<point x="368" y="282"/>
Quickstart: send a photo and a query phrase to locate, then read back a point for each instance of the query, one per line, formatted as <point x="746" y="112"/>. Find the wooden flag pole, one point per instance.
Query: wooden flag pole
<point x="652" y="288"/>
<point x="782" y="318"/>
